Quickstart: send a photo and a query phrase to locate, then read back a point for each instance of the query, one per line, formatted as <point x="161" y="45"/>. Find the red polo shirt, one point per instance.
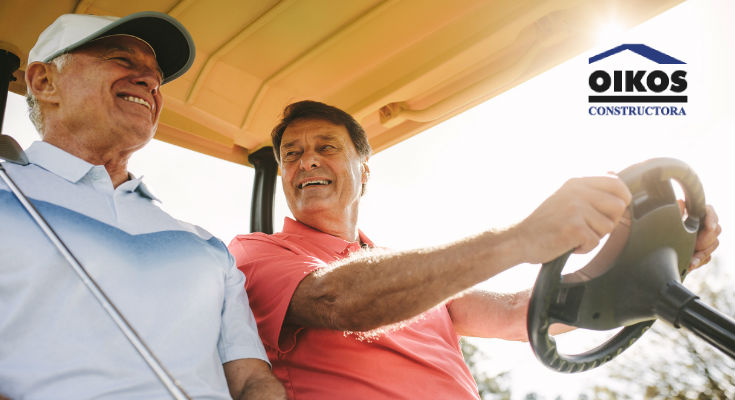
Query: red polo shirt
<point x="420" y="359"/>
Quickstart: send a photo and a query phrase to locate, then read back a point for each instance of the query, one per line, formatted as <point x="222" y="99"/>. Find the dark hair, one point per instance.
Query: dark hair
<point x="309" y="109"/>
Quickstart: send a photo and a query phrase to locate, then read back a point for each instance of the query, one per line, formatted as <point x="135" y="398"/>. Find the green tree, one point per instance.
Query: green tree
<point x="490" y="387"/>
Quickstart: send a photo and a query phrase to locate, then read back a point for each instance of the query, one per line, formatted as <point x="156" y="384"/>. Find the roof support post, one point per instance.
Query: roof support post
<point x="264" y="190"/>
<point x="9" y="62"/>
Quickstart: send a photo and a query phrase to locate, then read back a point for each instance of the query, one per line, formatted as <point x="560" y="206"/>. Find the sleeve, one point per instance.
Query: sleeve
<point x="238" y="331"/>
<point x="273" y="273"/>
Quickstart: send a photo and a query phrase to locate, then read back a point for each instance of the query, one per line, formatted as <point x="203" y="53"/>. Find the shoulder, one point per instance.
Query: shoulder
<point x="13" y="170"/>
<point x="195" y="229"/>
<point x="163" y="226"/>
<point x="285" y="250"/>
<point x="258" y="243"/>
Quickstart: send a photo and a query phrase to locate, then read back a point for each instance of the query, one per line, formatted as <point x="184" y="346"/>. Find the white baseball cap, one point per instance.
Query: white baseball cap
<point x="171" y="42"/>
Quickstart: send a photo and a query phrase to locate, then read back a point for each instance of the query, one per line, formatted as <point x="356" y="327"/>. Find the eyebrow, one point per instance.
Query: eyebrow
<point x="323" y="136"/>
<point x="111" y="48"/>
<point x="117" y="47"/>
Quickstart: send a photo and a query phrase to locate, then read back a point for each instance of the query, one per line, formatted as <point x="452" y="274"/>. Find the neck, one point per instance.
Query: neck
<point x="342" y="225"/>
<point x="112" y="156"/>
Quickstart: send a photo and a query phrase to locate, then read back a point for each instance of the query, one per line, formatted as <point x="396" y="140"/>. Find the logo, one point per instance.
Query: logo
<point x="631" y="86"/>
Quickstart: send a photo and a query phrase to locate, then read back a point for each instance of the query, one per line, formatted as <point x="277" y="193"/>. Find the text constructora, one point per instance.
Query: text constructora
<point x="637" y="110"/>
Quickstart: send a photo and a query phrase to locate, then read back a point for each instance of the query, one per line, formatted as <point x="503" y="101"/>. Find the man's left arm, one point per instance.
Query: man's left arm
<point x="252" y="379"/>
<point x="482" y="313"/>
<point x="242" y="353"/>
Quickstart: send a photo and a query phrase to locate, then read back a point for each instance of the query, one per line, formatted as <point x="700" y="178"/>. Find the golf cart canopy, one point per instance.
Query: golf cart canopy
<point x="400" y="67"/>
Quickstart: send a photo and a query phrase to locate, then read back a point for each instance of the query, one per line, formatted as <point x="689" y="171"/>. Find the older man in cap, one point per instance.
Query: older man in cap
<point x="94" y="95"/>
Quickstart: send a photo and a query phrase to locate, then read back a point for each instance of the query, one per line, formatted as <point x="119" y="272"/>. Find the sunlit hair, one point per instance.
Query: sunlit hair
<point x="34" y="110"/>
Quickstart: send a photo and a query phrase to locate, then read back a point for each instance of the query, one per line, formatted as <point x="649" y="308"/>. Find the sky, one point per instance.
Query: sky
<point x="492" y="165"/>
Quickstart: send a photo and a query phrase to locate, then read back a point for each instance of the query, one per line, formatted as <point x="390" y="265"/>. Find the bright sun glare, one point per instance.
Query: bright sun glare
<point x="609" y="32"/>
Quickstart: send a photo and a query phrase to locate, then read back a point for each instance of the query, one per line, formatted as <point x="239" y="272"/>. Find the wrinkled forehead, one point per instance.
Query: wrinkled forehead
<point x="313" y="129"/>
<point x="129" y="44"/>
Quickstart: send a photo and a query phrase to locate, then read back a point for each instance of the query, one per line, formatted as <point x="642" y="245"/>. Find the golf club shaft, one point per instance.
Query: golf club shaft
<point x="171" y="385"/>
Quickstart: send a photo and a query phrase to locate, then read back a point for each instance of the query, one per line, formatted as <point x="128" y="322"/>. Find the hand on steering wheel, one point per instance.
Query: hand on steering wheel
<point x="622" y="285"/>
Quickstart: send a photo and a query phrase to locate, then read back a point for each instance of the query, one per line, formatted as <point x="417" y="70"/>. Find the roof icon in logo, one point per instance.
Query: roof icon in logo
<point x="640" y="49"/>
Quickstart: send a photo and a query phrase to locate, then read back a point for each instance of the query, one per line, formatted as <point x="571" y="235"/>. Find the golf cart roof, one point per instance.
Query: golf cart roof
<point x="399" y="66"/>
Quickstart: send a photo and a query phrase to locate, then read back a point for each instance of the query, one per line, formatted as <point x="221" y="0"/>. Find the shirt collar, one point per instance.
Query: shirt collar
<point x="134" y="184"/>
<point x="57" y="161"/>
<point x="73" y="169"/>
<point x="338" y="245"/>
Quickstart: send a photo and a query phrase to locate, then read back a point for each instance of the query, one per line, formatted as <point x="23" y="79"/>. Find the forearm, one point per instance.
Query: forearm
<point x="369" y="291"/>
<point x="481" y="313"/>
<point x="377" y="288"/>
<point x="264" y="387"/>
<point x="252" y="379"/>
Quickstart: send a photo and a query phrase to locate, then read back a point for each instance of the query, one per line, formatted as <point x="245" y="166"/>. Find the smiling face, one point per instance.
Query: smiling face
<point x="322" y="173"/>
<point x="110" y="89"/>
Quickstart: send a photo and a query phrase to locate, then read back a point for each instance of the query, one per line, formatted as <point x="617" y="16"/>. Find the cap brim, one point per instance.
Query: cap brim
<point x="171" y="42"/>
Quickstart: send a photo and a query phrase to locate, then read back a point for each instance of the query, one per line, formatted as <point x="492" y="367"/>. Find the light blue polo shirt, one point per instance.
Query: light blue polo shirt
<point x="175" y="283"/>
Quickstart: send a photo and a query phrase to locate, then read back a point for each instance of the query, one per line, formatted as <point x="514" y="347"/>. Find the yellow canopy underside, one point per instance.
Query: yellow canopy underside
<point x="399" y="67"/>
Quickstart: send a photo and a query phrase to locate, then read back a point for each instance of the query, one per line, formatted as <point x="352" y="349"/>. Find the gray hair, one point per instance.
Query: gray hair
<point x="34" y="110"/>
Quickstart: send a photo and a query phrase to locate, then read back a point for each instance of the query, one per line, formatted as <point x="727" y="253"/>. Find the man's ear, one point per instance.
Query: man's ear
<point x="365" y="171"/>
<point x="40" y="80"/>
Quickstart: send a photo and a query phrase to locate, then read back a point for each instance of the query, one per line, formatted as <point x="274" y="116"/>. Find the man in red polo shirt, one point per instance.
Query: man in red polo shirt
<point x="342" y="319"/>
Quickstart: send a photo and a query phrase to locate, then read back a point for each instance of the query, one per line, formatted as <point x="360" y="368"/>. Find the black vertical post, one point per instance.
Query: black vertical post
<point x="9" y="62"/>
<point x="264" y="190"/>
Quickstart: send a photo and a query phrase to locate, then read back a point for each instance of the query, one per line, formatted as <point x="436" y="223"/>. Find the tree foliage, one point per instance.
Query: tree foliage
<point x="491" y="387"/>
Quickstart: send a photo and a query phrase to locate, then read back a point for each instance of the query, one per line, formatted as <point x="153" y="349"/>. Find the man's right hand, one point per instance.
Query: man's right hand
<point x="576" y="216"/>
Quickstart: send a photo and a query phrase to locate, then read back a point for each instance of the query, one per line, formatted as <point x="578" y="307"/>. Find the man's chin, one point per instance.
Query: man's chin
<point x="139" y="133"/>
<point x="307" y="211"/>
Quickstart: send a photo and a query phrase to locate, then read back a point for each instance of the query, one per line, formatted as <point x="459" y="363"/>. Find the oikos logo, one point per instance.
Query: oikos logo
<point x="638" y="81"/>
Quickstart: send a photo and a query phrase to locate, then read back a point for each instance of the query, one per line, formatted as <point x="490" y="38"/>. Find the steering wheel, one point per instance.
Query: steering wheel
<point x="625" y="284"/>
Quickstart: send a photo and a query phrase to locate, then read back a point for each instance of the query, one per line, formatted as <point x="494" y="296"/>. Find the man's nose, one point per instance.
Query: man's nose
<point x="310" y="160"/>
<point x="149" y="80"/>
